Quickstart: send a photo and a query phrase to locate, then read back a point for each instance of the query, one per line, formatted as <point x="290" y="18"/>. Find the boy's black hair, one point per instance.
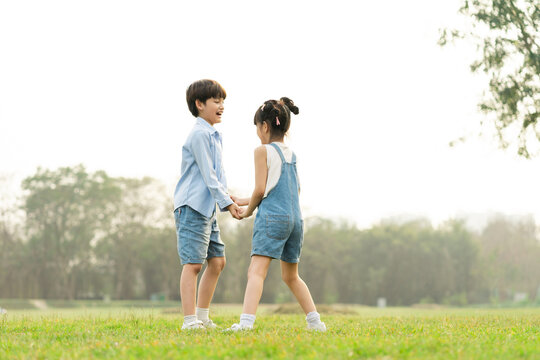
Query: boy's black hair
<point x="277" y="114"/>
<point x="203" y="90"/>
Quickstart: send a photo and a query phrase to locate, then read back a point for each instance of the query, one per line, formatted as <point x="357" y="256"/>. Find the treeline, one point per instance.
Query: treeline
<point x="84" y="235"/>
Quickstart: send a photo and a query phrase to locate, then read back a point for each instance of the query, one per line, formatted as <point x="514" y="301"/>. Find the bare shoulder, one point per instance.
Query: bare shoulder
<point x="260" y="151"/>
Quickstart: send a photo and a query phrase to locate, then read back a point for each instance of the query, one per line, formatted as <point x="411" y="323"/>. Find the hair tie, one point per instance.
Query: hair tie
<point x="277" y="120"/>
<point x="262" y="107"/>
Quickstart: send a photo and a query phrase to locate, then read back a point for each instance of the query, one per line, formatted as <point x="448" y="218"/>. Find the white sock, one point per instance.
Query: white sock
<point x="188" y="319"/>
<point x="247" y="320"/>
<point x="202" y="314"/>
<point x="313" y="318"/>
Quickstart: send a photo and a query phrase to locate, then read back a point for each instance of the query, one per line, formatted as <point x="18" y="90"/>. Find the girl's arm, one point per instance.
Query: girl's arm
<point x="240" y="201"/>
<point x="261" y="173"/>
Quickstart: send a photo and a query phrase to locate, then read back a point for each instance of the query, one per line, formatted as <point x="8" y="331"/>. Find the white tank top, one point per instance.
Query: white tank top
<point x="273" y="163"/>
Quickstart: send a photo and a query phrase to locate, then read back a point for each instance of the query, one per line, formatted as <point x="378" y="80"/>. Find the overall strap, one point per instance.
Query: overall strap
<point x="293" y="161"/>
<point x="279" y="152"/>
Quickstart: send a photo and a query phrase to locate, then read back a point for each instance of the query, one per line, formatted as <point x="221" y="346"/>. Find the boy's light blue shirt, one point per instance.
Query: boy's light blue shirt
<point x="202" y="181"/>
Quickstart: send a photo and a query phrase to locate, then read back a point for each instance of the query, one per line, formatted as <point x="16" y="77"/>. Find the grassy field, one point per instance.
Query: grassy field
<point x="393" y="333"/>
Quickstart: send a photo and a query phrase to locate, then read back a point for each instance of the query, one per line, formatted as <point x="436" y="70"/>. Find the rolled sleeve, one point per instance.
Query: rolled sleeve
<point x="225" y="203"/>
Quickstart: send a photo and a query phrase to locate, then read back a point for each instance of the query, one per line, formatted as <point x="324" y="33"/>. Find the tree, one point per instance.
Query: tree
<point x="12" y="261"/>
<point x="507" y="34"/>
<point x="510" y="251"/>
<point x="66" y="210"/>
<point x="139" y="250"/>
<point x="463" y="250"/>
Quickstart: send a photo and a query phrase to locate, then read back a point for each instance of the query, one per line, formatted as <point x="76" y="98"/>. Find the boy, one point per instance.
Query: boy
<point x="202" y="184"/>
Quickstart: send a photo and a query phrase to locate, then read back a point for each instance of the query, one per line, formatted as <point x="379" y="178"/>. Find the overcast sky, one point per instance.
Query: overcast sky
<point x="103" y="83"/>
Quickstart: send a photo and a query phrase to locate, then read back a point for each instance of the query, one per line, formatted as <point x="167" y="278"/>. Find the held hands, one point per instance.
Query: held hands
<point x="235" y="211"/>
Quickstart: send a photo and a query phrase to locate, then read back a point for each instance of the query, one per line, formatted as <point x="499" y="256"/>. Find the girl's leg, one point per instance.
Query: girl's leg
<point x="188" y="287"/>
<point x="289" y="274"/>
<point x="254" y="288"/>
<point x="209" y="280"/>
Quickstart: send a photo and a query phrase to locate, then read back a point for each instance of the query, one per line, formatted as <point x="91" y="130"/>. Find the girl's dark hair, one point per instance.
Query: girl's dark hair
<point x="277" y="114"/>
<point x="203" y="90"/>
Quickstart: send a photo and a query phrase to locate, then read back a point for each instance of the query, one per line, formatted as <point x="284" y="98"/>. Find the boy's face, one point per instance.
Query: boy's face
<point x="211" y="110"/>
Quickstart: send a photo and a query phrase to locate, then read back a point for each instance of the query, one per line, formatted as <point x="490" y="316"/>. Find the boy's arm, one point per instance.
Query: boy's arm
<point x="201" y="152"/>
<point x="261" y="174"/>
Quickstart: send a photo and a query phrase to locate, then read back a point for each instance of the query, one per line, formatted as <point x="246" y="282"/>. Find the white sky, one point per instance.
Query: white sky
<point x="103" y="83"/>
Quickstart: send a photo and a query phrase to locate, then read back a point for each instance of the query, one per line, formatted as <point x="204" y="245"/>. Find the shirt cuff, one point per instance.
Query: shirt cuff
<point x="223" y="204"/>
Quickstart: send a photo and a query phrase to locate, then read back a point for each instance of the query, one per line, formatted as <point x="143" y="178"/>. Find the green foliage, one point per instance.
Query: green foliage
<point x="402" y="263"/>
<point x="509" y="255"/>
<point x="507" y="34"/>
<point x="89" y="236"/>
<point x="65" y="209"/>
<point x="373" y="334"/>
<point x="138" y="250"/>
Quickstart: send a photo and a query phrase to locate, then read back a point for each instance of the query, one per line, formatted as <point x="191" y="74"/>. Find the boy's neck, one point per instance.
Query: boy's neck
<point x="208" y="121"/>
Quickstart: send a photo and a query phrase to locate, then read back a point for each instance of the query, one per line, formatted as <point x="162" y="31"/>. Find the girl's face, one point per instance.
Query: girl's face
<point x="263" y="132"/>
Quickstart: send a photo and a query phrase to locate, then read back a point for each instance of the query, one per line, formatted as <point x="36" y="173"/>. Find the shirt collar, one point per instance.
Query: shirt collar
<point x="206" y="125"/>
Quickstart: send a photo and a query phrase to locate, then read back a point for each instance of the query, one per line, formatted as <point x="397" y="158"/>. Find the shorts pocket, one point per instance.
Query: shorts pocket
<point x="277" y="226"/>
<point x="195" y="218"/>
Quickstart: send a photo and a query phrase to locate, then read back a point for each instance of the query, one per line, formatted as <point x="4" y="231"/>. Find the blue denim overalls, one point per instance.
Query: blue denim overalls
<point x="278" y="231"/>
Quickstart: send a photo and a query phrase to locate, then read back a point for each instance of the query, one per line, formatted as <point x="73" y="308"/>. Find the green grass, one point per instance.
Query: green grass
<point x="393" y="333"/>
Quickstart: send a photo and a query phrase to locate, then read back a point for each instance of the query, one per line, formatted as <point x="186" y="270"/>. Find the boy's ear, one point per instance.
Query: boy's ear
<point x="199" y="104"/>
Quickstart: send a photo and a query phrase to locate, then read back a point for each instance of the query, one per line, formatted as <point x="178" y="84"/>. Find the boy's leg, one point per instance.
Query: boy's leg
<point x="215" y="258"/>
<point x="254" y="288"/>
<point x="192" y="231"/>
<point x="209" y="280"/>
<point x="188" y="287"/>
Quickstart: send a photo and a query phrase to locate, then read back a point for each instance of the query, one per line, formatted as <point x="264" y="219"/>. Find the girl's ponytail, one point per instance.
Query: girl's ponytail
<point x="290" y="104"/>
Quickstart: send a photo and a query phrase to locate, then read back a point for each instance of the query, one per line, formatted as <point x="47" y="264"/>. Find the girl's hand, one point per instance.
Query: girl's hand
<point x="244" y="213"/>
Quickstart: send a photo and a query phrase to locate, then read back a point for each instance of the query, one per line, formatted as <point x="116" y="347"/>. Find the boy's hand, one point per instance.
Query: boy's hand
<point x="234" y="210"/>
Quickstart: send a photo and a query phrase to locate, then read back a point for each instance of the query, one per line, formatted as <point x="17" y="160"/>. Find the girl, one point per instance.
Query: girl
<point x="278" y="228"/>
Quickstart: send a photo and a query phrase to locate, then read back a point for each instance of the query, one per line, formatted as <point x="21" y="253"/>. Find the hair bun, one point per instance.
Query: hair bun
<point x="290" y="104"/>
<point x="267" y="106"/>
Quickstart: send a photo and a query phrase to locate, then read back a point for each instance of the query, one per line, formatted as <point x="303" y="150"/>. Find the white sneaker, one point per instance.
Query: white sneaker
<point x="209" y="324"/>
<point x="238" y="327"/>
<point x="197" y="324"/>
<point x="317" y="327"/>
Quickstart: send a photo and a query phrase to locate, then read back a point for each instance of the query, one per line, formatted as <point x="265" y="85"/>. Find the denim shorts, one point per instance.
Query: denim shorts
<point x="198" y="236"/>
<point x="278" y="237"/>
